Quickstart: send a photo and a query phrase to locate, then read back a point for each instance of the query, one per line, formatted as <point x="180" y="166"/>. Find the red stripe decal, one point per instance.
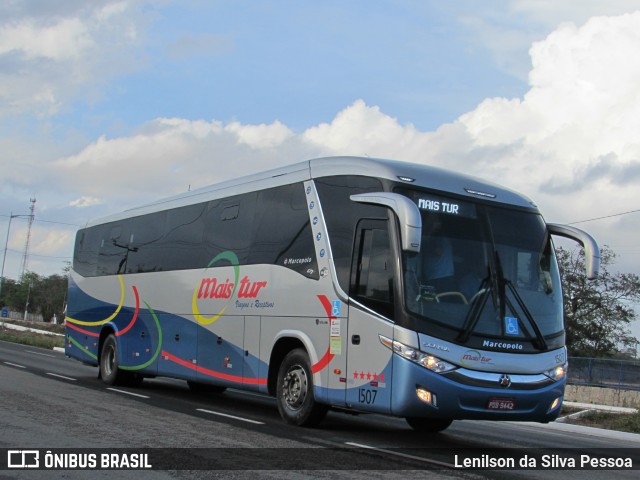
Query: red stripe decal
<point x="135" y="314"/>
<point x="82" y="330"/>
<point x="212" y="373"/>
<point x="328" y="356"/>
<point x="326" y="303"/>
<point x="323" y="362"/>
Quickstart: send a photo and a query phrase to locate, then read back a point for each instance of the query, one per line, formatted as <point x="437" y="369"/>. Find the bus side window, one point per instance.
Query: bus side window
<point x="85" y="260"/>
<point x="113" y="248"/>
<point x="282" y="231"/>
<point x="372" y="271"/>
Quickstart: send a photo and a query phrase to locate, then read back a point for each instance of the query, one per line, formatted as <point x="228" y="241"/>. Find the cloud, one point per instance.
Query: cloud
<point x="508" y="32"/>
<point x="583" y="105"/>
<point x="363" y="130"/>
<point x="260" y="136"/>
<point x="63" y="40"/>
<point x="170" y="155"/>
<point x="85" y="201"/>
<point x="50" y="58"/>
<point x="570" y="142"/>
<point x="573" y="132"/>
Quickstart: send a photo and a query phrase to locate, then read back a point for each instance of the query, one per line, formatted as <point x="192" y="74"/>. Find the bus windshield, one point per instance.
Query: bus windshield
<point x="483" y="271"/>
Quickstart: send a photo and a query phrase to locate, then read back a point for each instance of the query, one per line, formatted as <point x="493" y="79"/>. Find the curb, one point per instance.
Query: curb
<point x="11" y="326"/>
<point x="591" y="431"/>
<point x="604" y="408"/>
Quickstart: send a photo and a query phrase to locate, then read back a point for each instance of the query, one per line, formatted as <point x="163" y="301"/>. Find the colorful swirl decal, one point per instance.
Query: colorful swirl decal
<point x="109" y="318"/>
<point x="118" y="333"/>
<point x="135" y="314"/>
<point x="158" y="348"/>
<point x="82" y="348"/>
<point x="232" y="258"/>
<point x="213" y="373"/>
<point x="328" y="356"/>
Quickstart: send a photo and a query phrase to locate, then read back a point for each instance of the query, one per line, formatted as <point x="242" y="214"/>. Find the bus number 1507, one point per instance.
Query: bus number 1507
<point x="367" y="396"/>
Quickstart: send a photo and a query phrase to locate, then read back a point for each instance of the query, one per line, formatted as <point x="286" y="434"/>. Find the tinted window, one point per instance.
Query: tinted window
<point x="271" y="226"/>
<point x="86" y="255"/>
<point x="372" y="272"/>
<point x="229" y="226"/>
<point x="342" y="215"/>
<point x="112" y="248"/>
<point x="183" y="242"/>
<point x="145" y="248"/>
<point x="283" y="231"/>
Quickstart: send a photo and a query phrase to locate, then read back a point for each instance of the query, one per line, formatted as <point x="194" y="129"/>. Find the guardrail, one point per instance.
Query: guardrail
<point x="604" y="372"/>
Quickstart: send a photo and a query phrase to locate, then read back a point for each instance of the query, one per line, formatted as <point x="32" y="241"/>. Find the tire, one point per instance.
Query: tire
<point x="294" y="391"/>
<point x="428" y="425"/>
<point x="109" y="371"/>
<point x="205" y="388"/>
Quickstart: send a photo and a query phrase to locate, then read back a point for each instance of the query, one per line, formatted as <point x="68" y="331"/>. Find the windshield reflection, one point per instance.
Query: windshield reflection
<point x="483" y="271"/>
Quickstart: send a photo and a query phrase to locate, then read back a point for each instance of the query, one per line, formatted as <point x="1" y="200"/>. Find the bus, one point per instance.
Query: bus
<point x="346" y="283"/>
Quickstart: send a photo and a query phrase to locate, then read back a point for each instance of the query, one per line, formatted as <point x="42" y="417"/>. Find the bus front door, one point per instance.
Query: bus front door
<point x="371" y="289"/>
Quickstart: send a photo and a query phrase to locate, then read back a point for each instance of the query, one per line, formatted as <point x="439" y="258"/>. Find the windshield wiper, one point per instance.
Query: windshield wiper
<point x="502" y="284"/>
<point x="496" y="284"/>
<point x="477" y="305"/>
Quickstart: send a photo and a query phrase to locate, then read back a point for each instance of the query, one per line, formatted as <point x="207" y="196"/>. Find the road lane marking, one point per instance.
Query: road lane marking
<point x="400" y="454"/>
<point x="61" y="376"/>
<point x="127" y="393"/>
<point x="41" y="354"/>
<point x="14" y="365"/>
<point x="230" y="416"/>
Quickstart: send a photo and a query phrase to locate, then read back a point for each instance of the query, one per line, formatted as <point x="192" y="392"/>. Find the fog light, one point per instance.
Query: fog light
<point x="426" y="396"/>
<point x="555" y="404"/>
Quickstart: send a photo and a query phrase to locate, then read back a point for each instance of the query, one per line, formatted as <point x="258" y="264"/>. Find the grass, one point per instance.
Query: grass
<point x="32" y="338"/>
<point x="622" y="422"/>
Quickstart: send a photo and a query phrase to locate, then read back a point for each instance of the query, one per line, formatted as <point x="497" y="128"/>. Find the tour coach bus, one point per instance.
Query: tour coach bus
<point x="359" y="284"/>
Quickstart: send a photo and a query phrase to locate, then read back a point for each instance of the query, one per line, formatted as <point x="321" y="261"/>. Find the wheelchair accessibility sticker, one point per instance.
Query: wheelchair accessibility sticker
<point x="511" y="326"/>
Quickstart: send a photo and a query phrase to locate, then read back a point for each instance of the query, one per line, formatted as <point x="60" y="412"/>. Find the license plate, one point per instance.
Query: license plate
<point x="504" y="404"/>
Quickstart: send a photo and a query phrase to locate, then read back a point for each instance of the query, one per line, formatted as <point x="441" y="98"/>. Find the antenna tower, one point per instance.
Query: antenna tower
<point x="25" y="257"/>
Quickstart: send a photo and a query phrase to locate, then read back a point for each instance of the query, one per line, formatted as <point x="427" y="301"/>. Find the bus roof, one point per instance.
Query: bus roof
<point x="413" y="174"/>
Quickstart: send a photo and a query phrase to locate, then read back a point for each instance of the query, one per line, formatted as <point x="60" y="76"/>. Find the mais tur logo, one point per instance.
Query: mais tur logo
<point x="212" y="288"/>
<point x="474" y="357"/>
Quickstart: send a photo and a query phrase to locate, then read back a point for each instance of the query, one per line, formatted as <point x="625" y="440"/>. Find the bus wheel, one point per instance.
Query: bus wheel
<point x="294" y="392"/>
<point x="109" y="371"/>
<point x="428" y="425"/>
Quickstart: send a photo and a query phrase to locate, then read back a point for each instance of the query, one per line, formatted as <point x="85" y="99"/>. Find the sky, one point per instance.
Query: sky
<point x="108" y="104"/>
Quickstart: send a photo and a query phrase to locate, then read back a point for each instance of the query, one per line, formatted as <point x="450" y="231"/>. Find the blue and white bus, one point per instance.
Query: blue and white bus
<point x="352" y="283"/>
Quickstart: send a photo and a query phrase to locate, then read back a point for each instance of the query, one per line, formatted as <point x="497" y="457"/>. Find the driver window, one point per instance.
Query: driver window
<point x="372" y="272"/>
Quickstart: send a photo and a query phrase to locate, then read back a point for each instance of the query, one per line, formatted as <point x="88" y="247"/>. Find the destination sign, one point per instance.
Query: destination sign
<point x="445" y="206"/>
<point x="428" y="202"/>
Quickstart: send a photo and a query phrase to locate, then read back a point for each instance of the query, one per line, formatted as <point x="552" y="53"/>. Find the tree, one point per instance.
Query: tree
<point x="45" y="295"/>
<point x="597" y="312"/>
<point x="10" y="295"/>
<point x="51" y="295"/>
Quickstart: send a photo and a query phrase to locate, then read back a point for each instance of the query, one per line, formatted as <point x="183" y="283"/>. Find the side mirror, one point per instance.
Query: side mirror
<point x="407" y="212"/>
<point x="591" y="249"/>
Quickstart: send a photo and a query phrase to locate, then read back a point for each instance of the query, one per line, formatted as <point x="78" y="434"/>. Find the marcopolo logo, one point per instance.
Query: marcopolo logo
<point x="212" y="288"/>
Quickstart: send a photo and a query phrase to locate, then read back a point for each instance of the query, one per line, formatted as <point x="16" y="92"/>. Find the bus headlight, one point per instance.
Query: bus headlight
<point x="434" y="364"/>
<point x="557" y="373"/>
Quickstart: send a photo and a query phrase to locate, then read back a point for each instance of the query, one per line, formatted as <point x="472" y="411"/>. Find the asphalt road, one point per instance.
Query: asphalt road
<point x="48" y="401"/>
